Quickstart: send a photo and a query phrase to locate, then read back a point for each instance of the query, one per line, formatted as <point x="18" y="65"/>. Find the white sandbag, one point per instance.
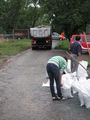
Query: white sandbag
<point x="66" y="92"/>
<point x="83" y="88"/>
<point x="67" y="80"/>
<point x="76" y="85"/>
<point x="46" y="84"/>
<point x="87" y="93"/>
<point x="81" y="72"/>
<point x="84" y="99"/>
<point x="66" y="88"/>
<point x="81" y="98"/>
<point x="87" y="101"/>
<point x="82" y="79"/>
<point x="68" y="69"/>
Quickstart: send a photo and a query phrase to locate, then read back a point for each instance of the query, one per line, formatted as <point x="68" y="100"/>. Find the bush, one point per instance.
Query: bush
<point x="89" y="63"/>
<point x="64" y="45"/>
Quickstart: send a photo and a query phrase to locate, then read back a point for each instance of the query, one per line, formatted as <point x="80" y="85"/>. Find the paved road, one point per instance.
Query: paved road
<point x="22" y="96"/>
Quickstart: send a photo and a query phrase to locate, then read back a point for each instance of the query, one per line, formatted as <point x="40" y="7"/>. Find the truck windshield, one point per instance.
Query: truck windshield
<point x="87" y="38"/>
<point x="77" y="37"/>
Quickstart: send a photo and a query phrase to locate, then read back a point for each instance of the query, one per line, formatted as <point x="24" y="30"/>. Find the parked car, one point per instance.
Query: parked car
<point x="84" y="41"/>
<point x="55" y="36"/>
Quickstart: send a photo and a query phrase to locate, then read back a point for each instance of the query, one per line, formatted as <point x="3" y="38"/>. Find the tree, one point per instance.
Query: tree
<point x="70" y="15"/>
<point x="29" y="14"/>
<point x="10" y="13"/>
<point x="2" y="14"/>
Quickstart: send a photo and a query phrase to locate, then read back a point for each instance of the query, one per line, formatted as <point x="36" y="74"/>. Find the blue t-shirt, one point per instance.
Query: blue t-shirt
<point x="76" y="48"/>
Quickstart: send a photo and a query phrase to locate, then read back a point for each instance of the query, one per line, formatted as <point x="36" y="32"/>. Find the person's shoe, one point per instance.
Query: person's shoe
<point x="59" y="98"/>
<point x="62" y="98"/>
<point x="54" y="98"/>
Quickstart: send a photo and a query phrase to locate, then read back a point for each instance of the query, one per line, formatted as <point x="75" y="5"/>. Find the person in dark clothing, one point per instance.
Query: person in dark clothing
<point x="76" y="52"/>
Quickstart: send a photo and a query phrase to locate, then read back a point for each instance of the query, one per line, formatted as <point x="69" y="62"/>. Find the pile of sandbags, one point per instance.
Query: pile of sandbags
<point x="83" y="88"/>
<point x="76" y="83"/>
<point x="82" y="85"/>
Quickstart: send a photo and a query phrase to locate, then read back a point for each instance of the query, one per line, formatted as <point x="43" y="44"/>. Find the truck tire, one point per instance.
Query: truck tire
<point x="33" y="48"/>
<point x="50" y="47"/>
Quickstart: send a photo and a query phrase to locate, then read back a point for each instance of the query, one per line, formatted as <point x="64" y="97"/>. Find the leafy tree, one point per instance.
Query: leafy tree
<point x="70" y="16"/>
<point x="2" y="14"/>
<point x="14" y="9"/>
<point x="29" y="14"/>
<point x="10" y="14"/>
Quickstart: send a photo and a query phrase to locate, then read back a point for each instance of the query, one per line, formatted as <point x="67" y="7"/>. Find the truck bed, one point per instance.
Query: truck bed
<point x="40" y="32"/>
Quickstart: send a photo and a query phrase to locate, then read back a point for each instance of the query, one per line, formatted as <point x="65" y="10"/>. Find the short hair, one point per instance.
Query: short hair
<point x="77" y="38"/>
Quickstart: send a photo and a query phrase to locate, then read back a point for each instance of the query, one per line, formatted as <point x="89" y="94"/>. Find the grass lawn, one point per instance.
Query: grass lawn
<point x="12" y="47"/>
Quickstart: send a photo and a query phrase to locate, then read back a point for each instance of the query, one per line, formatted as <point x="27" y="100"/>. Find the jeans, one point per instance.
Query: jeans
<point x="74" y="64"/>
<point x="54" y="74"/>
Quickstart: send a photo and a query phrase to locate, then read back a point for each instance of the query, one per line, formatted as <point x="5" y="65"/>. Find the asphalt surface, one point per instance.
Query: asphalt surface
<point x="22" y="96"/>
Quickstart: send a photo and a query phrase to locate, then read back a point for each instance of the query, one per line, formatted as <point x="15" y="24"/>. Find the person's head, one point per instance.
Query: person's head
<point x="77" y="38"/>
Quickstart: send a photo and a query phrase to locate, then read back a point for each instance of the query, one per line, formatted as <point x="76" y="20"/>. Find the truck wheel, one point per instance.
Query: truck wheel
<point x="49" y="48"/>
<point x="33" y="48"/>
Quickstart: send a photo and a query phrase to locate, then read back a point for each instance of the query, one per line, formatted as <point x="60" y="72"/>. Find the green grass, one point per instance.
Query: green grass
<point x="88" y="62"/>
<point x="13" y="47"/>
<point x="64" y="45"/>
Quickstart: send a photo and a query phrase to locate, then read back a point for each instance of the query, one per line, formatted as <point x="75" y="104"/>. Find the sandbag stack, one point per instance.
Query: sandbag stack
<point x="76" y="83"/>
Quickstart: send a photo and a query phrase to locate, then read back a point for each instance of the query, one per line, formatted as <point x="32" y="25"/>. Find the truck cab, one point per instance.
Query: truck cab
<point x="84" y="41"/>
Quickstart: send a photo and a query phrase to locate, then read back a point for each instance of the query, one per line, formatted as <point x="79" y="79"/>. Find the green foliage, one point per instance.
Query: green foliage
<point x="88" y="62"/>
<point x="10" y="14"/>
<point x="69" y="16"/>
<point x="64" y="45"/>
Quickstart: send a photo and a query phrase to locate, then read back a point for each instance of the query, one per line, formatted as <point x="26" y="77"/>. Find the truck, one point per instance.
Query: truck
<point x="41" y="37"/>
<point x="84" y="41"/>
